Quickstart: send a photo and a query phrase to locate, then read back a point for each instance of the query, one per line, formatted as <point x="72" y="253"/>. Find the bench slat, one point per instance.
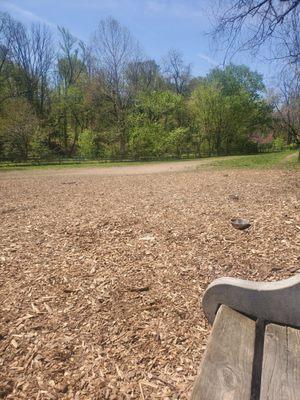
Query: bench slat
<point x="281" y="364"/>
<point x="226" y="369"/>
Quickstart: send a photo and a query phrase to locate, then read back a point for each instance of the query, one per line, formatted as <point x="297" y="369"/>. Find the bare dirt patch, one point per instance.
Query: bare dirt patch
<point x="138" y="169"/>
<point x="102" y="276"/>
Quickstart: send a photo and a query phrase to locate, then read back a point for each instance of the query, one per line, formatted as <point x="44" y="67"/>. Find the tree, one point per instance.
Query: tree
<point x="108" y="100"/>
<point x="32" y="51"/>
<point x="248" y="25"/>
<point x="115" y="50"/>
<point x="154" y="122"/>
<point x="71" y="62"/>
<point x="72" y="78"/>
<point x="225" y="113"/>
<point x="5" y="62"/>
<point x="5" y="38"/>
<point x="177" y="73"/>
<point x="26" y="57"/>
<point x="286" y="102"/>
<point x="18" y="128"/>
<point x="143" y="75"/>
<point x="234" y="78"/>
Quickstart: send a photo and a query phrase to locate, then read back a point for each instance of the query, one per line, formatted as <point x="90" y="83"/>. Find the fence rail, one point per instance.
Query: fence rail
<point x="36" y="161"/>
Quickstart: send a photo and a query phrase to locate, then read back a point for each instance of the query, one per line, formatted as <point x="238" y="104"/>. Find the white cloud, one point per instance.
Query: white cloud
<point x="208" y="59"/>
<point x="26" y="14"/>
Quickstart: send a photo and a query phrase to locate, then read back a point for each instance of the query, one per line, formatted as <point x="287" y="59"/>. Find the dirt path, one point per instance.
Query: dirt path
<point x="151" y="168"/>
<point x="289" y="157"/>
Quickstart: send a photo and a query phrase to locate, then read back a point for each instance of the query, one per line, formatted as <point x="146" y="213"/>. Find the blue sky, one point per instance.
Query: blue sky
<point x="157" y="24"/>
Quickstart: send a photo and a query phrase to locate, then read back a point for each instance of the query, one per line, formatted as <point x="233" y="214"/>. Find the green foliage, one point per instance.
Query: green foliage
<point x="177" y="140"/>
<point x="234" y="78"/>
<point x="18" y="129"/>
<point x="108" y="103"/>
<point x="226" y="112"/>
<point x="278" y="144"/>
<point x="154" y="124"/>
<point x="86" y="145"/>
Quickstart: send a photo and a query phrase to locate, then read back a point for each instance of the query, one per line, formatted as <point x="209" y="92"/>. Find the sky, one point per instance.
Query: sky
<point x="158" y="25"/>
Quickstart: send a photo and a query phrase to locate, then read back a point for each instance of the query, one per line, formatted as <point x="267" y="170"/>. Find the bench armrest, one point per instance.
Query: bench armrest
<point x="277" y="302"/>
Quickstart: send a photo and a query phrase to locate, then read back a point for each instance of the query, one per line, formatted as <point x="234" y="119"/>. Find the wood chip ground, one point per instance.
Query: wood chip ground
<point x="101" y="276"/>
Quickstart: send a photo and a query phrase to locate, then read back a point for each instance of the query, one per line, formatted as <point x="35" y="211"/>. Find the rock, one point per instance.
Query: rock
<point x="240" y="223"/>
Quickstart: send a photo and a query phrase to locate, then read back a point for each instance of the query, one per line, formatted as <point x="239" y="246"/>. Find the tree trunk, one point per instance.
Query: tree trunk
<point x="65" y="133"/>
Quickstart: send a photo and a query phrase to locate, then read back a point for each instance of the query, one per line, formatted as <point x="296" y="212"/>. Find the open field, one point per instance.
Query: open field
<point x="102" y="273"/>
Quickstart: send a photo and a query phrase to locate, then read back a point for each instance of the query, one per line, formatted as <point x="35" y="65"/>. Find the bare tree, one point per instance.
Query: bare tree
<point x="5" y="45"/>
<point x="5" y="38"/>
<point x="42" y="60"/>
<point x="72" y="58"/>
<point x="249" y="24"/>
<point x="177" y="73"/>
<point x="32" y="51"/>
<point x="143" y="75"/>
<point x="287" y="105"/>
<point x="115" y="50"/>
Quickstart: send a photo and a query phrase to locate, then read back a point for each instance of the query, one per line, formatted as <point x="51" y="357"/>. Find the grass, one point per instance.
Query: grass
<point x="16" y="166"/>
<point x="285" y="159"/>
<point x="11" y="166"/>
<point x="69" y="163"/>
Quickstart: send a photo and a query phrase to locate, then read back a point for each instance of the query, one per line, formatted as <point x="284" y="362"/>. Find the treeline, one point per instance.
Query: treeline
<point x="105" y="99"/>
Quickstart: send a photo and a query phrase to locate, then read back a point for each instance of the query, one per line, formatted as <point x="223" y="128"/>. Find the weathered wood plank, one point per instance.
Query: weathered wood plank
<point x="226" y="369"/>
<point x="281" y="364"/>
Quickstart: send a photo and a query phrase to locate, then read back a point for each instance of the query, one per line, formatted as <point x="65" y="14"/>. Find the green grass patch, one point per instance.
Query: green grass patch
<point x="4" y="166"/>
<point x="285" y="159"/>
<point x="15" y="166"/>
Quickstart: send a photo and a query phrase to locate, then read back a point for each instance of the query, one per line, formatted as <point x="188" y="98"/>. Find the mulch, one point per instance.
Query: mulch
<point x="101" y="277"/>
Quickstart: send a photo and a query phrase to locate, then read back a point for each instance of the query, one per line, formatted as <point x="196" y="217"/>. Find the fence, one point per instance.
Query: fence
<point x="36" y="161"/>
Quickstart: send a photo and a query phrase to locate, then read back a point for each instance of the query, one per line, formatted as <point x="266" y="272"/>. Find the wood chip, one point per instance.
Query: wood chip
<point x="101" y="287"/>
<point x="140" y="289"/>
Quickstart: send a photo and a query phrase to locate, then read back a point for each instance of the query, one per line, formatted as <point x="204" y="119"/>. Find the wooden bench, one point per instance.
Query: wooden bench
<point x="254" y="348"/>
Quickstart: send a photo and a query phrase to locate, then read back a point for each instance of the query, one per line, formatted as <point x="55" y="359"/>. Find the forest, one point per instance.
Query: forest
<point x="63" y="98"/>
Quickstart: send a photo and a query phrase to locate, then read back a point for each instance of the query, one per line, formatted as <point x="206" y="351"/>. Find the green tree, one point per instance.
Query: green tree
<point x="234" y="78"/>
<point x="225" y="114"/>
<point x="68" y="108"/>
<point x="116" y="51"/>
<point x="18" y="129"/>
<point x="154" y="117"/>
